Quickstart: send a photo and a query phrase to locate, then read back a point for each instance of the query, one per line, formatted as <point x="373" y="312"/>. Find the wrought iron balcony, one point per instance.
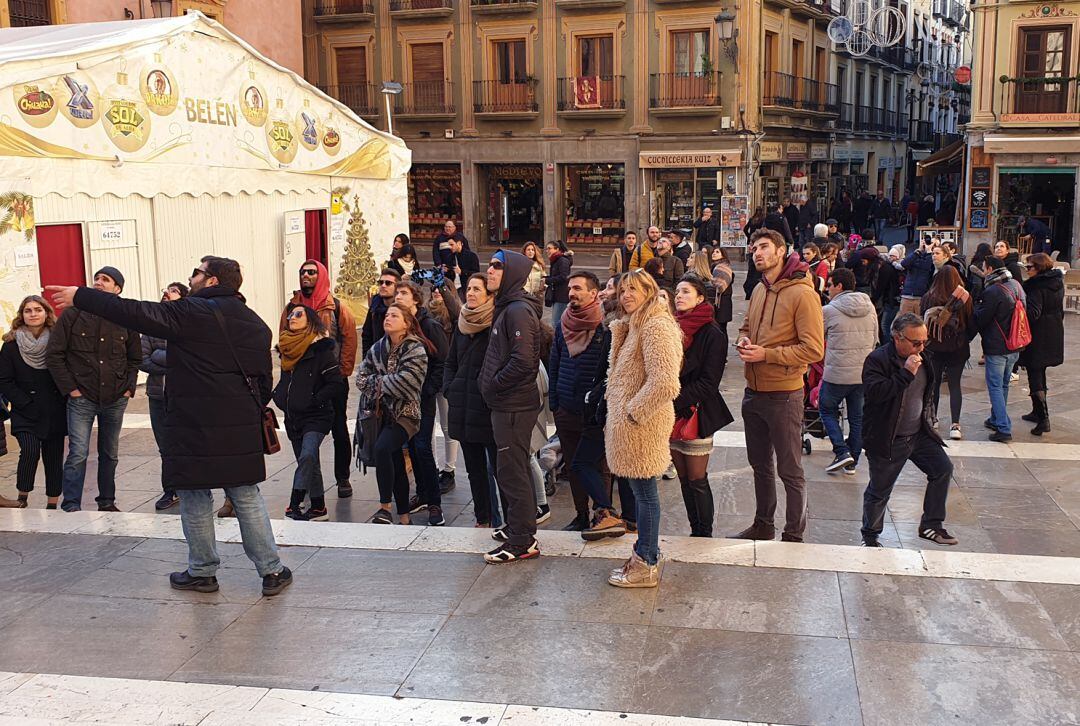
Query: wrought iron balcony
<point x="805" y="94"/>
<point x="685" y="90"/>
<point x="502" y="6"/>
<point x="343" y="9"/>
<point x="425" y="98"/>
<point x="1049" y="98"/>
<point x="426" y="8"/>
<point x="362" y="98"/>
<point x="505" y="97"/>
<point x="591" y="93"/>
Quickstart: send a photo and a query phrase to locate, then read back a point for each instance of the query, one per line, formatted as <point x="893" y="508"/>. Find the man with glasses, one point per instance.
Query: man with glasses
<point x="315" y="293"/>
<point x="380" y="301"/>
<point x="220" y="378"/>
<point x="899" y="427"/>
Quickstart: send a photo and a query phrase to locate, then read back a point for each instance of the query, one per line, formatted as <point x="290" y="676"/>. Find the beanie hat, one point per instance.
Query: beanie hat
<point x="113" y="273"/>
<point x="821" y="230"/>
<point x="898" y="250"/>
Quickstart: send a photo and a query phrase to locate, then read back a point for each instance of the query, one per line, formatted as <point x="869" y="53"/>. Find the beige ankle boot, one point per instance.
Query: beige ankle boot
<point x="636" y="573"/>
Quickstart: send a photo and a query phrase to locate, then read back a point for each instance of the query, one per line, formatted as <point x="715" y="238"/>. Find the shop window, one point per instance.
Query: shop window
<point x="515" y="204"/>
<point x="434" y="197"/>
<point x="1044" y="54"/>
<point x="595" y="199"/>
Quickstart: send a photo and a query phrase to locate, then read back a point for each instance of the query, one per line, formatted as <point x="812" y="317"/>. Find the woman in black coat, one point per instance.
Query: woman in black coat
<point x="469" y="418"/>
<point x="38" y="410"/>
<point x="557" y="295"/>
<point x="310" y="381"/>
<point x="704" y="354"/>
<point x="1045" y="290"/>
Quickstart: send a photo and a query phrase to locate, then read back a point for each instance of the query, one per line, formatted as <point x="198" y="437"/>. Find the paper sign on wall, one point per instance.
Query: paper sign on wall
<point x="294" y="224"/>
<point x="25" y="256"/>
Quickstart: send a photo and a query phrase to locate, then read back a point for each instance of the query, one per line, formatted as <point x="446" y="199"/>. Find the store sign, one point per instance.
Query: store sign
<point x="525" y="171"/>
<point x="688" y="159"/>
<point x="841" y="153"/>
<point x="770" y="151"/>
<point x="858" y="156"/>
<point x="796" y="152"/>
<point x="819" y="152"/>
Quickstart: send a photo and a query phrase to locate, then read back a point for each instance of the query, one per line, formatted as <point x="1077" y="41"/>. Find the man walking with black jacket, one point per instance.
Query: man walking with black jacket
<point x="900" y="427"/>
<point x="508" y="384"/>
<point x="376" y="313"/>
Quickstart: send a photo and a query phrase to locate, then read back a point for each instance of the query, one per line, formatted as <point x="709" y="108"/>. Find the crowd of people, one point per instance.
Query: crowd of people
<point x="629" y="371"/>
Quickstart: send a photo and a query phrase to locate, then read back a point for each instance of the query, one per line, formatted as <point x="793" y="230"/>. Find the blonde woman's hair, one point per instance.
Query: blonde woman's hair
<point x="651" y="306"/>
<point x="18" y="322"/>
<point x="701" y="264"/>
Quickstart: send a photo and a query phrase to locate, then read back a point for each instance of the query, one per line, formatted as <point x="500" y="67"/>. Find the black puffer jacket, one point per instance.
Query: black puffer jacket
<point x="305" y="393"/>
<point x="508" y="378"/>
<point x="37" y="406"/>
<point x="213" y="427"/>
<point x="154" y="359"/>
<point x="558" y="281"/>
<point x="434" y="332"/>
<point x="1046" y="315"/>
<point x="699" y="380"/>
<point x="469" y="418"/>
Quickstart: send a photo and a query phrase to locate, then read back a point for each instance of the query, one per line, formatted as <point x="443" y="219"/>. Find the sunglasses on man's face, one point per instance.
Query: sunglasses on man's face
<point x="916" y="343"/>
<point x="387" y="283"/>
<point x="196" y="272"/>
<point x="495" y="265"/>
<point x="306" y="272"/>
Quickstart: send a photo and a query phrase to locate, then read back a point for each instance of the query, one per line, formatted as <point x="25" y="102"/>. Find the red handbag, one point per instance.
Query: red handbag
<point x="686" y="429"/>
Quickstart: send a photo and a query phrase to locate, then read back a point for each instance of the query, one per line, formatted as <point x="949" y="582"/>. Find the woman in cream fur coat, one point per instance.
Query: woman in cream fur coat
<point x="643" y="380"/>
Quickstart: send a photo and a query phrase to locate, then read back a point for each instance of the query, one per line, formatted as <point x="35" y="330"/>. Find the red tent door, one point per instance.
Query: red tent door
<point x="315" y="235"/>
<point x="60" y="254"/>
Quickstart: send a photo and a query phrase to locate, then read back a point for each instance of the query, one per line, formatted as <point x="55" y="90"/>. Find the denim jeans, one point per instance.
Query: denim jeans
<point x="197" y="519"/>
<point x="588" y="466"/>
<point x="829" y="405"/>
<point x="888" y="315"/>
<point x="557" y="309"/>
<point x="648" y="519"/>
<point x="308" y="476"/>
<point x="879" y="227"/>
<point x="422" y="455"/>
<point x="157" y="424"/>
<point x="81" y="413"/>
<point x="998" y="370"/>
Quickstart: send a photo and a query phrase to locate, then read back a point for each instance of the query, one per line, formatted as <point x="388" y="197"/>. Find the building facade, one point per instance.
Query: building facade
<point x="1024" y="135"/>
<point x="580" y="119"/>
<point x="271" y="26"/>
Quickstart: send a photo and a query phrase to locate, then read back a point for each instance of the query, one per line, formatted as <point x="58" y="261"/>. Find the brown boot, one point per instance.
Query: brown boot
<point x="757" y="531"/>
<point x="6" y="503"/>
<point x="226" y="509"/>
<point x="604" y="524"/>
<point x="636" y="573"/>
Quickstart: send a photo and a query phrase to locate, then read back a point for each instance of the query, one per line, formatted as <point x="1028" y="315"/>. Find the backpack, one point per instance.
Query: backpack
<point x="1019" y="336"/>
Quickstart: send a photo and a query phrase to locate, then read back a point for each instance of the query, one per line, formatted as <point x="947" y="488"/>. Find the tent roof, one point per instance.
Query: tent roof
<point x="59" y="41"/>
<point x="945" y="161"/>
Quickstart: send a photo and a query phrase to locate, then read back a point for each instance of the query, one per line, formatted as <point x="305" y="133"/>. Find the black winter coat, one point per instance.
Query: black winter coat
<point x="213" y="425"/>
<point x="508" y="378"/>
<point x="98" y="357"/>
<point x="434" y="332"/>
<point x="884" y="381"/>
<point x="994" y="313"/>
<point x="558" y="281"/>
<point x="708" y="231"/>
<point x="1046" y="315"/>
<point x="1012" y="264"/>
<point x="702" y="369"/>
<point x="306" y="392"/>
<point x="373" y="330"/>
<point x="469" y="418"/>
<point x="154" y="360"/>
<point x="37" y="406"/>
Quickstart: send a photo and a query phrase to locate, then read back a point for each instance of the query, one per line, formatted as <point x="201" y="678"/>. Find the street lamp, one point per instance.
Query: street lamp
<point x="729" y="35"/>
<point x="390" y="88"/>
<point x="162" y="8"/>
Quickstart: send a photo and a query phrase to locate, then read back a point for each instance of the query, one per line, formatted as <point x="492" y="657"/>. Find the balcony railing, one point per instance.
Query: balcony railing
<point x="684" y="90"/>
<point x="505" y="97"/>
<point x="863" y="118"/>
<point x="440" y="7"/>
<point x="334" y="8"/>
<point x="26" y="13"/>
<point x="807" y="94"/>
<point x="362" y="98"/>
<point x="921" y="132"/>
<point x="503" y="5"/>
<point x="591" y="93"/>
<point x="1049" y="97"/>
<point x="847" y="117"/>
<point x="429" y="98"/>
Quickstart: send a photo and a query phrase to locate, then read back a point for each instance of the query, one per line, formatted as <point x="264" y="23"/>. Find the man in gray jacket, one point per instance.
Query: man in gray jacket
<point x="850" y="336"/>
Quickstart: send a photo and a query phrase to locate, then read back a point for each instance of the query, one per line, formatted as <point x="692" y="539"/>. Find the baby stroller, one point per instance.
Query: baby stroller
<point x="812" y="425"/>
<point x="551" y="461"/>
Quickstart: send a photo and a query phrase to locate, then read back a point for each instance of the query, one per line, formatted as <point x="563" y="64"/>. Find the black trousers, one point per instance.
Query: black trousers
<point x="925" y="453"/>
<point x="390" y="467"/>
<point x="1037" y="378"/>
<point x="477" y="458"/>
<point x="51" y="452"/>
<point x="342" y="438"/>
<point x="513" y="432"/>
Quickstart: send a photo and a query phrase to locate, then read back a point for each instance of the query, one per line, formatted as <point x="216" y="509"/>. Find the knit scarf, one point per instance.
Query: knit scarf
<point x="692" y="321"/>
<point x="579" y="325"/>
<point x="476" y="320"/>
<point x="292" y="347"/>
<point x="554" y="256"/>
<point x="32" y="349"/>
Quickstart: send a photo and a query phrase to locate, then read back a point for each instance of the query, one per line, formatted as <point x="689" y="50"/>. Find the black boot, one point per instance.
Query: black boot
<point x="1043" y="425"/>
<point x="691" y="504"/>
<point x="1033" y="417"/>
<point x="579" y="523"/>
<point x="703" y="501"/>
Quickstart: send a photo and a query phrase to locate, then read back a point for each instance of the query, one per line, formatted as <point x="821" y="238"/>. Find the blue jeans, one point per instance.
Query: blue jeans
<point x="81" y="413"/>
<point x="425" y="472"/>
<point x="879" y="227"/>
<point x="998" y="370"/>
<point x="829" y="406"/>
<point x="197" y="519"/>
<point x="557" y="309"/>
<point x="308" y="476"/>
<point x="648" y="519"/>
<point x="888" y="315"/>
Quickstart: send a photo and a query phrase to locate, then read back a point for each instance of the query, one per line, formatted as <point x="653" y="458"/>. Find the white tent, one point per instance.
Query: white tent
<point x="177" y="140"/>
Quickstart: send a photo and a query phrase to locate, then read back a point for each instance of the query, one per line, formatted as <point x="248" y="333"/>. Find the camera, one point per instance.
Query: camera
<point x="435" y="276"/>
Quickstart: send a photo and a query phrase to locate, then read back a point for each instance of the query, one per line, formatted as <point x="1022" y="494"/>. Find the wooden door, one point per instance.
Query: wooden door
<point x="352" y="79"/>
<point x="798" y="70"/>
<point x="428" y="93"/>
<point x="596" y="58"/>
<point x="510" y="91"/>
<point x="770" y="68"/>
<point x="689" y="86"/>
<point x="1043" y="53"/>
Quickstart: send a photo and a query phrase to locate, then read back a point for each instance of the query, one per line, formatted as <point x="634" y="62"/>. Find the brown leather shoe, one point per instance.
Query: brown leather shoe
<point x="226" y="509"/>
<point x="6" y="503"/>
<point x="757" y="531"/>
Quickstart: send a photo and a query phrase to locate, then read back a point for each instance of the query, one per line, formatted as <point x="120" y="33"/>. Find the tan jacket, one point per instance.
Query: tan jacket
<point x="787" y="321"/>
<point x="643" y="380"/>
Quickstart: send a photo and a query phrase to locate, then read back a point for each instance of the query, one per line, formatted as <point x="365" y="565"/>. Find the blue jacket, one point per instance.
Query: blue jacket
<point x="569" y="379"/>
<point x="919" y="267"/>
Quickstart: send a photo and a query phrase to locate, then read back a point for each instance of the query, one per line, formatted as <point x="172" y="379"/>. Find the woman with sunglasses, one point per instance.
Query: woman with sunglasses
<point x="310" y="379"/>
<point x="643" y="381"/>
<point x="154" y="365"/>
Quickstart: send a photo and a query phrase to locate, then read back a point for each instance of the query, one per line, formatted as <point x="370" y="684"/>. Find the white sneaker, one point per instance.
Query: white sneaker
<point x="1014" y="378"/>
<point x="671" y="473"/>
<point x="955" y="433"/>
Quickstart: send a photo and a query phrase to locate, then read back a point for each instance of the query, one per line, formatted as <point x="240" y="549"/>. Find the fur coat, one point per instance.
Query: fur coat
<point x="643" y="380"/>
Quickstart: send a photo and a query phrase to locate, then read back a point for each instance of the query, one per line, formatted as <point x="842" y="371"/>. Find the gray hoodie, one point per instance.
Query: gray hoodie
<point x="851" y="330"/>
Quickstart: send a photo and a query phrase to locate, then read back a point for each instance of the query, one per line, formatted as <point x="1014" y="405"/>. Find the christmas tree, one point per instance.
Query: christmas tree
<point x="357" y="273"/>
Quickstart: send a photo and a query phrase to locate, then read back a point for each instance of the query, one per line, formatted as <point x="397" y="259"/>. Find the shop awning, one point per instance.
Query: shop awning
<point x="689" y="159"/>
<point x="919" y="154"/>
<point x="1048" y="144"/>
<point x="946" y="161"/>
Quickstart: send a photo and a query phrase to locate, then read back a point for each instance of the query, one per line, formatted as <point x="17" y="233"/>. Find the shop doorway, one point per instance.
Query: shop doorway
<point x="315" y="235"/>
<point x="60" y="255"/>
<point x="515" y="204"/>
<point x="1048" y="195"/>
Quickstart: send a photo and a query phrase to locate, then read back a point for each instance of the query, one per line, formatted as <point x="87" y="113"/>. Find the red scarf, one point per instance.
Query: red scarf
<point x="579" y="325"/>
<point x="692" y="321"/>
<point x="554" y="256"/>
<point x="321" y="294"/>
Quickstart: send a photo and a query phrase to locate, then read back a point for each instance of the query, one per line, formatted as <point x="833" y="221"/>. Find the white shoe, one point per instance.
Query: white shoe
<point x="671" y="473"/>
<point x="955" y="433"/>
<point x="1014" y="378"/>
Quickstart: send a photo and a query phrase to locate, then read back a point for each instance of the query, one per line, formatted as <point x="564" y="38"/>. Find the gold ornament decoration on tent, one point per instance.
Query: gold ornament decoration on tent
<point x="358" y="273"/>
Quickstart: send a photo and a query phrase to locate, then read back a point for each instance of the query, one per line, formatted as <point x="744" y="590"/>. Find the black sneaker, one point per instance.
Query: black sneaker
<point x="296" y="513"/>
<point x="871" y="542"/>
<point x="415" y="505"/>
<point x="344" y="489"/>
<point x="499" y="534"/>
<point x="578" y="524"/>
<point x="839" y="462"/>
<point x="382" y="516"/>
<point x="186" y="581"/>
<point x="543" y="513"/>
<point x="168" y="499"/>
<point x="512" y="553"/>
<point x="849" y="470"/>
<point x="435" y="516"/>
<point x="110" y="507"/>
<point x="447" y="482"/>
<point x="987" y="424"/>
<point x="273" y="584"/>
<point x="938" y="536"/>
<point x="1000" y="437"/>
<point x="314" y="515"/>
